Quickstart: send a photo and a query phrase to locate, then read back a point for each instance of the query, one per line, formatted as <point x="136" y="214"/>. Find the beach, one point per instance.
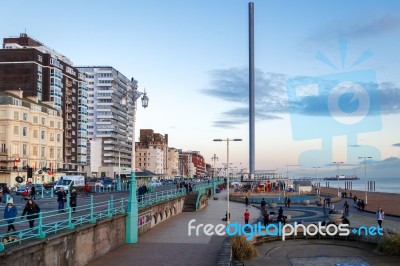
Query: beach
<point x="389" y="202"/>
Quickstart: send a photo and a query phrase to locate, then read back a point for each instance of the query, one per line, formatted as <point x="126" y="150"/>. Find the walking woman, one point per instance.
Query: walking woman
<point x="380" y="215"/>
<point x="31" y="210"/>
<point x="10" y="212"/>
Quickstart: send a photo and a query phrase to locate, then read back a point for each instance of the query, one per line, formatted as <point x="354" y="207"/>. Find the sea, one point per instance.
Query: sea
<point x="382" y="184"/>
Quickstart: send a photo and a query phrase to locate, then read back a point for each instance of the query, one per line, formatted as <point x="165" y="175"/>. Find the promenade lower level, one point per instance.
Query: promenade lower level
<point x="169" y="243"/>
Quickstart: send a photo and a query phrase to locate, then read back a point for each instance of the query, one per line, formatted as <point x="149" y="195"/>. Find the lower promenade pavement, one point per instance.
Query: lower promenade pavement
<point x="169" y="244"/>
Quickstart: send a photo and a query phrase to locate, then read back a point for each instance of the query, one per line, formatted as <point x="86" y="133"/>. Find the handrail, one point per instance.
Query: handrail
<point x="52" y="222"/>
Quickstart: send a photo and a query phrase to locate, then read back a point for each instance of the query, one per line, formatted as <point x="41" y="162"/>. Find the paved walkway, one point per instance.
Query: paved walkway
<point x="169" y="243"/>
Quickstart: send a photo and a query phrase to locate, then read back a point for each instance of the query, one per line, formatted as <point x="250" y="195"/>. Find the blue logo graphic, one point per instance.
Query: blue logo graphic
<point x="337" y="104"/>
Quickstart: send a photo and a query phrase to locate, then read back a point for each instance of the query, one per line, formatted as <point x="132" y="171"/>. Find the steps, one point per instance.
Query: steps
<point x="190" y="202"/>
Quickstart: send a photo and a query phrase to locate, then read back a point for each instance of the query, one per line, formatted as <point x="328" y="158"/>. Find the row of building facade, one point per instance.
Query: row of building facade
<point x="58" y="118"/>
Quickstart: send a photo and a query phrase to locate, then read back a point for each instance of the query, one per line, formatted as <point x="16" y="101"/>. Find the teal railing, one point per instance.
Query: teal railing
<point x="202" y="189"/>
<point x="52" y="222"/>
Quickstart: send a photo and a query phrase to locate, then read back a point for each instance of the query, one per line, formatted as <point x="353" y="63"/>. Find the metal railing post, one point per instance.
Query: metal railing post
<point x="70" y="224"/>
<point x="40" y="233"/>
<point x="92" y="220"/>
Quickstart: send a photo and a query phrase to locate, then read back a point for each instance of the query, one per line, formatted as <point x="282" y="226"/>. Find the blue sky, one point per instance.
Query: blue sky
<point x="192" y="58"/>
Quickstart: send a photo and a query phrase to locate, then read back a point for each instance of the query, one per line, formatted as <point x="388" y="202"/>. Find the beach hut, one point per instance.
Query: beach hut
<point x="302" y="186"/>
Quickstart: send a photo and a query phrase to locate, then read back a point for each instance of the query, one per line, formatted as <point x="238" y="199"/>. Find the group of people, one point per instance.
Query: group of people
<point x="31" y="211"/>
<point x="187" y="185"/>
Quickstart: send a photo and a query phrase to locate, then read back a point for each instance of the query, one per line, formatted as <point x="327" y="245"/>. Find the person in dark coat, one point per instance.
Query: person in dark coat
<point x="10" y="212"/>
<point x="31" y="210"/>
<point x="246" y="201"/>
<point x="33" y="192"/>
<point x="61" y="198"/>
<point x="73" y="199"/>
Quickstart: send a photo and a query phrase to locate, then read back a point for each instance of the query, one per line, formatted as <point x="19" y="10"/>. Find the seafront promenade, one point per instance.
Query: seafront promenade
<point x="169" y="243"/>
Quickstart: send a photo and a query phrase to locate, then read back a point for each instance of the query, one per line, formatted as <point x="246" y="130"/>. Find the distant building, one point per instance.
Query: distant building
<point x="173" y="162"/>
<point x="42" y="72"/>
<point x="109" y="121"/>
<point x="152" y="152"/>
<point x="192" y="164"/>
<point x="30" y="135"/>
<point x="302" y="186"/>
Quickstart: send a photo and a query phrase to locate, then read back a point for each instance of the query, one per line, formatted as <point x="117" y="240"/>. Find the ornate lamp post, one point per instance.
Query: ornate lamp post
<point x="227" y="171"/>
<point x="132" y="213"/>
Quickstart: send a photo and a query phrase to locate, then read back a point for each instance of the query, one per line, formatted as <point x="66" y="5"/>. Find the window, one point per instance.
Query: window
<point x="24" y="149"/>
<point x="40" y="59"/>
<point x="43" y="135"/>
<point x="16" y="130"/>
<point x="16" y="115"/>
<point x="51" y="136"/>
<point x="59" y="154"/>
<point x="43" y="152"/>
<point x="51" y="153"/>
<point x="34" y="151"/>
<point x="25" y="116"/>
<point x="24" y="131"/>
<point x="58" y="125"/>
<point x="35" y="119"/>
<point x="43" y="121"/>
<point x="51" y="123"/>
<point x="35" y="134"/>
<point x="58" y="137"/>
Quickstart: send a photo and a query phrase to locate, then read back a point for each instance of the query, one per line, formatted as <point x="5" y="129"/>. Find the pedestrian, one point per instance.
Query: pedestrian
<point x="31" y="210"/>
<point x="10" y="212"/>
<point x="263" y="205"/>
<point x="73" y="199"/>
<point x="346" y="207"/>
<point x="61" y="199"/>
<point x="288" y="202"/>
<point x="380" y="215"/>
<point x="86" y="190"/>
<point x="33" y="192"/>
<point x="266" y="218"/>
<point x="324" y="205"/>
<point x="246" y="200"/>
<point x="362" y="205"/>
<point x="246" y="216"/>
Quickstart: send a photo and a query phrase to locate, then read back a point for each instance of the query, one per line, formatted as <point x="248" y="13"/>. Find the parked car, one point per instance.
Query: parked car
<point x="49" y="185"/>
<point x="155" y="183"/>
<point x="106" y="183"/>
<point x="38" y="189"/>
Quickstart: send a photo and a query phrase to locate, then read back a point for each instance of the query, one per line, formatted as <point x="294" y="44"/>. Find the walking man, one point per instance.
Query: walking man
<point x="263" y="205"/>
<point x="246" y="216"/>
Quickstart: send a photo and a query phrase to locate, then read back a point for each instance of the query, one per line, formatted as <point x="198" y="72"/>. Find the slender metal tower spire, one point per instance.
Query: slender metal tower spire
<point x="251" y="90"/>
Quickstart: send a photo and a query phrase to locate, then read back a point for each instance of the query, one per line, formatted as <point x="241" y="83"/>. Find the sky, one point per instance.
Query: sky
<point x="326" y="79"/>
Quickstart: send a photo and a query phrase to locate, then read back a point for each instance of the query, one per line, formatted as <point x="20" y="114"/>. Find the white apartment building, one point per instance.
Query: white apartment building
<point x="151" y="159"/>
<point x="31" y="134"/>
<point x="109" y="129"/>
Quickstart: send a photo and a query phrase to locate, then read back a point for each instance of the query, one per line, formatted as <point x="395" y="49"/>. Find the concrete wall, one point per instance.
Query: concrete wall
<point x="85" y="243"/>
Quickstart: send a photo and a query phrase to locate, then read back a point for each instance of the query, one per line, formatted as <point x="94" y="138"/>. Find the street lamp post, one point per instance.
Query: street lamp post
<point x="365" y="176"/>
<point x="132" y="213"/>
<point x="227" y="172"/>
<point x="214" y="158"/>
<point x="337" y="177"/>
<point x="316" y="177"/>
<point x="119" y="168"/>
